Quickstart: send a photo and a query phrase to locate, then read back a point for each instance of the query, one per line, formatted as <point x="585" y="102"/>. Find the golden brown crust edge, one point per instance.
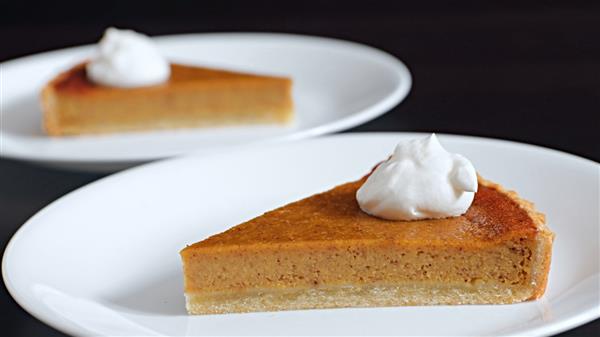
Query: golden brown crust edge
<point x="545" y="238"/>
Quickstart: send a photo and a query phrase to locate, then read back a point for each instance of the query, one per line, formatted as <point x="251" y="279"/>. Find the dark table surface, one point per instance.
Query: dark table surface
<point x="529" y="73"/>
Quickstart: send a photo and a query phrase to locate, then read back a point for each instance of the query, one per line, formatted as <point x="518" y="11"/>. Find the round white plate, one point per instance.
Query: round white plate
<point x="337" y="85"/>
<point x="104" y="260"/>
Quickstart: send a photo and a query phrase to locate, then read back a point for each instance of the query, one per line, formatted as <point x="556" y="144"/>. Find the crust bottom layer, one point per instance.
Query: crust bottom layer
<point x="354" y="296"/>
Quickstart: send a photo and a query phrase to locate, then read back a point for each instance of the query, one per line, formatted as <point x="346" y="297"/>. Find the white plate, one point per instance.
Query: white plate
<point x="104" y="259"/>
<point x="337" y="85"/>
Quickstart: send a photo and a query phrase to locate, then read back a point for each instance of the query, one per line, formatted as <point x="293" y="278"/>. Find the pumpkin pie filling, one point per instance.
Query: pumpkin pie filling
<point x="191" y="97"/>
<point x="324" y="252"/>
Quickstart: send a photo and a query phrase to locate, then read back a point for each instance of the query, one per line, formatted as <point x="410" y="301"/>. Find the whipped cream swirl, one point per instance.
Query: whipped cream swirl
<point x="421" y="180"/>
<point x="127" y="59"/>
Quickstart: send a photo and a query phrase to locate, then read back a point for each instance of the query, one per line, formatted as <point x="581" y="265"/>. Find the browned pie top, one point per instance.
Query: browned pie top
<point x="335" y="216"/>
<point x="75" y="80"/>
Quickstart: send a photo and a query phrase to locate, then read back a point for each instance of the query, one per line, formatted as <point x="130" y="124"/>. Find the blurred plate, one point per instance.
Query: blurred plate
<point x="104" y="260"/>
<point x="337" y="85"/>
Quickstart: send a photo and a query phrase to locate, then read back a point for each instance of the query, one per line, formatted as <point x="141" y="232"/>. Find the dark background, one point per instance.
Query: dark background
<point x="521" y="71"/>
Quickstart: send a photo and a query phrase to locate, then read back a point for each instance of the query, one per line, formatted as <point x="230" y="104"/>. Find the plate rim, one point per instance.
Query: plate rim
<point x="582" y="317"/>
<point x="379" y="108"/>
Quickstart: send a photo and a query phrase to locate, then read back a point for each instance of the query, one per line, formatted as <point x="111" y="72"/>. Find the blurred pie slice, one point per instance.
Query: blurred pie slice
<point x="324" y="252"/>
<point x="192" y="97"/>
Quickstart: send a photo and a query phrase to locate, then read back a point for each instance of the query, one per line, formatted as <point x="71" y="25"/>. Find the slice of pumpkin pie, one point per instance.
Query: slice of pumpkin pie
<point x="325" y="251"/>
<point x="129" y="86"/>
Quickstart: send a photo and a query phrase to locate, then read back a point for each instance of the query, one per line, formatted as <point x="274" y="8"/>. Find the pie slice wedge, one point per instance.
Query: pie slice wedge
<point x="324" y="252"/>
<point x="192" y="97"/>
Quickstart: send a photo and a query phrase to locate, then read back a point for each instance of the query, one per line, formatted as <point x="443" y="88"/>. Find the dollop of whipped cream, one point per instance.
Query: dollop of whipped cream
<point x="127" y="59"/>
<point x="421" y="180"/>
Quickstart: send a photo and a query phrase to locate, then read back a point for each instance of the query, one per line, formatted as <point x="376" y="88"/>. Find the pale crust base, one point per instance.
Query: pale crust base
<point x="354" y="296"/>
